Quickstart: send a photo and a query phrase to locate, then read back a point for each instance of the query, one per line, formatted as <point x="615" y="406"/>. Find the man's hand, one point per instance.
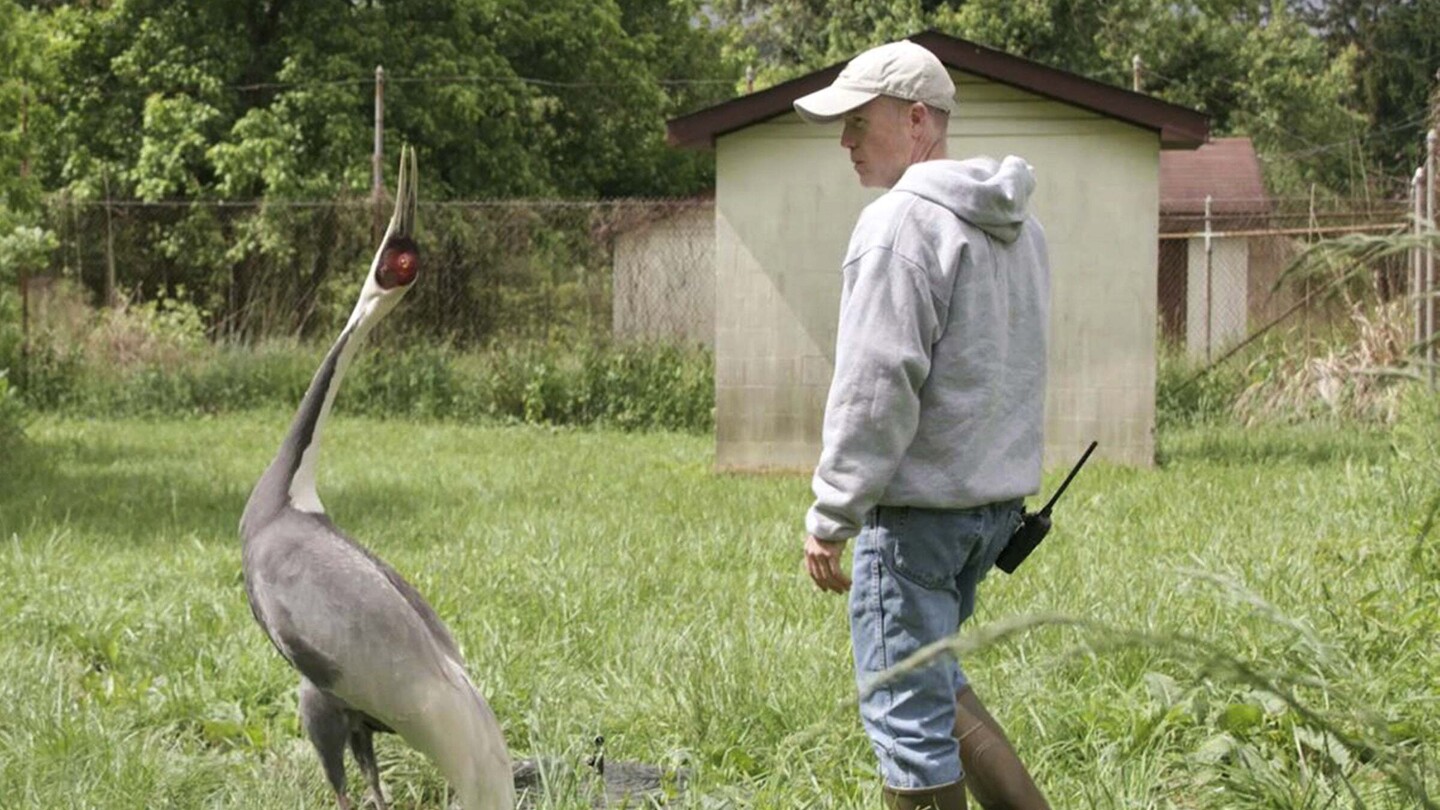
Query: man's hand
<point x="822" y="560"/>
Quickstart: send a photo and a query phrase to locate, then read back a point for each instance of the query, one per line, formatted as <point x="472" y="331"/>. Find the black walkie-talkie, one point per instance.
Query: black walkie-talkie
<point x="1034" y="525"/>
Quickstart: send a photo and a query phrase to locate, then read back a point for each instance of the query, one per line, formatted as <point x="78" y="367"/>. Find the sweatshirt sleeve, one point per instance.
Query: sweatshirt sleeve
<point x="888" y="324"/>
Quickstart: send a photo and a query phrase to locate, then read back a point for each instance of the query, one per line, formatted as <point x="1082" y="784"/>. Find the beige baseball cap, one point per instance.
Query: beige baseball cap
<point x="901" y="70"/>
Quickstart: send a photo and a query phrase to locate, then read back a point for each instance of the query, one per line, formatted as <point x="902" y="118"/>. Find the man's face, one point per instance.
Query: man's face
<point x="879" y="137"/>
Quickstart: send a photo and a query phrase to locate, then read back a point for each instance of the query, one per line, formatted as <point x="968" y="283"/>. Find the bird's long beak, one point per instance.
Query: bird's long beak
<point x="407" y="196"/>
<point x="399" y="258"/>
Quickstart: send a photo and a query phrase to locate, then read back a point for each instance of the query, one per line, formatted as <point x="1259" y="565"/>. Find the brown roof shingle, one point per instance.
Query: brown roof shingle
<point x="1226" y="169"/>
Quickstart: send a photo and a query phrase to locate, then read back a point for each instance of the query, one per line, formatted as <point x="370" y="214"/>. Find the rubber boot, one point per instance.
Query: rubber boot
<point x="994" y="774"/>
<point x="950" y="797"/>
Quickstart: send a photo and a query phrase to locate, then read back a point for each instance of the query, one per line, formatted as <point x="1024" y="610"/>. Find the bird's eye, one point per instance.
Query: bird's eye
<point x="399" y="262"/>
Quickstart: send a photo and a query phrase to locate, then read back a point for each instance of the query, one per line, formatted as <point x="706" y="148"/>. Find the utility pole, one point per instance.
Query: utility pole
<point x="1135" y="67"/>
<point x="377" y="160"/>
<point x="750" y="79"/>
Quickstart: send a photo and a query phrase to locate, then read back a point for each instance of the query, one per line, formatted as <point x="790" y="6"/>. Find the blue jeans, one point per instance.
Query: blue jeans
<point x="915" y="574"/>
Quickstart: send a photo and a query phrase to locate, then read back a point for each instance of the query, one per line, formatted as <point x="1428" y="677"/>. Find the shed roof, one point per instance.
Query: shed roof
<point x="1179" y="127"/>
<point x="1225" y="169"/>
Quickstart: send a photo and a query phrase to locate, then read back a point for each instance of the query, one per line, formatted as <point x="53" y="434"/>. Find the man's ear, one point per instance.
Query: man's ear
<point x="918" y="115"/>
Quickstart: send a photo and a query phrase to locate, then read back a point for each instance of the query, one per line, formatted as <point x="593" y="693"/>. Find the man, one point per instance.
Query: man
<point x="933" y="425"/>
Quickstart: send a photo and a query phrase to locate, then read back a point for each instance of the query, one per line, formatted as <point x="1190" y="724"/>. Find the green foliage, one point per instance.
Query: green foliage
<point x="274" y="99"/>
<point x="216" y="101"/>
<point x="1396" y="47"/>
<point x="623" y="386"/>
<point x="1187" y="392"/>
<point x="26" y="248"/>
<point x="1415" y="474"/>
<point x="626" y="386"/>
<point x="22" y="33"/>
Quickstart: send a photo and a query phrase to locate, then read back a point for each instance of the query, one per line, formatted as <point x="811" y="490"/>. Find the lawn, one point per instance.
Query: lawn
<point x="1248" y="625"/>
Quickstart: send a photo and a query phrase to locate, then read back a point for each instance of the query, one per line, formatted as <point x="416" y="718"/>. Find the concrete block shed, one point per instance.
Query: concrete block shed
<point x="786" y="200"/>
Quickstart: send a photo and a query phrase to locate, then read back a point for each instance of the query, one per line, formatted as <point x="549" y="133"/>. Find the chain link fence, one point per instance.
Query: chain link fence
<point x="1222" y="276"/>
<point x="518" y="271"/>
<point x="491" y="271"/>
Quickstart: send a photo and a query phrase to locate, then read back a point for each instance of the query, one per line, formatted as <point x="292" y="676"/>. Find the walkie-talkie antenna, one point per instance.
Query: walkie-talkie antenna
<point x="1071" y="477"/>
<point x="1034" y="525"/>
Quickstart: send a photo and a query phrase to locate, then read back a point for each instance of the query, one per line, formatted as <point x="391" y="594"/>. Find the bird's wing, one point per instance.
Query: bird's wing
<point x="427" y="614"/>
<point x="332" y="608"/>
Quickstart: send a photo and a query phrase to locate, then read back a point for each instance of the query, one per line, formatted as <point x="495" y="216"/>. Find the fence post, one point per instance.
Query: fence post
<point x="1209" y="285"/>
<point x="1417" y="284"/>
<point x="1430" y="353"/>
<point x="1314" y="223"/>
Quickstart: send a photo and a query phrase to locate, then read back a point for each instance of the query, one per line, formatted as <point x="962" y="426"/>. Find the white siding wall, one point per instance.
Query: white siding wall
<point x="786" y="200"/>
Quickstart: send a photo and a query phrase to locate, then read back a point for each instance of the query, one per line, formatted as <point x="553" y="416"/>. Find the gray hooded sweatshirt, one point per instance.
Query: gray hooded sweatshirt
<point x="938" y="397"/>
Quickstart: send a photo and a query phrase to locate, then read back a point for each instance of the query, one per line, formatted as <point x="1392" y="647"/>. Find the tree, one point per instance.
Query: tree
<point x="274" y="97"/>
<point x="1397" y="53"/>
<point x="1250" y="65"/>
<point x="21" y="75"/>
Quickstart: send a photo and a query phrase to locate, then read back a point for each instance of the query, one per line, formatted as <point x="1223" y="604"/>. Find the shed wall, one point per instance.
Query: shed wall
<point x="786" y="199"/>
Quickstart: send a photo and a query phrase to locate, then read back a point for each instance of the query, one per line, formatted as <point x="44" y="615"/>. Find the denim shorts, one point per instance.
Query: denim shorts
<point x="915" y="574"/>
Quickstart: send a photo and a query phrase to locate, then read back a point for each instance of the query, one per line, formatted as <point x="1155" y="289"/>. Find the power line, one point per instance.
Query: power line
<point x="1325" y="147"/>
<point x="436" y="81"/>
<point x="1313" y="148"/>
<point x="366" y="202"/>
<point x="482" y="79"/>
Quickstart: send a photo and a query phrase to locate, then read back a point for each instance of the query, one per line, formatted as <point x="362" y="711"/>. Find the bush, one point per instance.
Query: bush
<point x="1353" y="377"/>
<point x="623" y="386"/>
<point x="1186" y="396"/>
<point x="416" y="381"/>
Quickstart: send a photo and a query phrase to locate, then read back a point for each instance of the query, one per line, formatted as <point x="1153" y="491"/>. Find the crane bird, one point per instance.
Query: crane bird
<point x="371" y="653"/>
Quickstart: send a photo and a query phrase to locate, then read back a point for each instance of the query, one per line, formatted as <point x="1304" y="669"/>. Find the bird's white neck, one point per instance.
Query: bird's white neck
<point x="290" y="479"/>
<point x="303" y="495"/>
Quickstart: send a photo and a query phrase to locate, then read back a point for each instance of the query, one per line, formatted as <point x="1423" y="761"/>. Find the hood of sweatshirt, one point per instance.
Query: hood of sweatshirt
<point x="990" y="195"/>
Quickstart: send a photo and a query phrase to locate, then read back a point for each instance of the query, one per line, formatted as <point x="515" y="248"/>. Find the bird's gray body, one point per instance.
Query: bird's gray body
<point x="372" y="654"/>
<point x="319" y="595"/>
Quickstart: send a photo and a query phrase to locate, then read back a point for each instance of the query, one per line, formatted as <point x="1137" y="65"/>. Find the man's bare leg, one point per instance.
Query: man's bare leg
<point x="993" y="772"/>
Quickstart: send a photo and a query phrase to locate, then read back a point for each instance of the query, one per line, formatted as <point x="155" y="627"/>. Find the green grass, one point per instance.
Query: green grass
<point x="612" y="583"/>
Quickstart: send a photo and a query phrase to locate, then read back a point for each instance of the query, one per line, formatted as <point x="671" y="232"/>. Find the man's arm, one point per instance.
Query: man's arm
<point x="888" y="324"/>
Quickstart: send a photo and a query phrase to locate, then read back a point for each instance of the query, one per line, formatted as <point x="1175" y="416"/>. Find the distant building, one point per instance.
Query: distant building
<point x="664" y="273"/>
<point x="1207" y="302"/>
<point x="786" y="200"/>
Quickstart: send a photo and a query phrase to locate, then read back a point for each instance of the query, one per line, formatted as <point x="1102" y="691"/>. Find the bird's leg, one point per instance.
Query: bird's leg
<point x="362" y="743"/>
<point x="324" y="721"/>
